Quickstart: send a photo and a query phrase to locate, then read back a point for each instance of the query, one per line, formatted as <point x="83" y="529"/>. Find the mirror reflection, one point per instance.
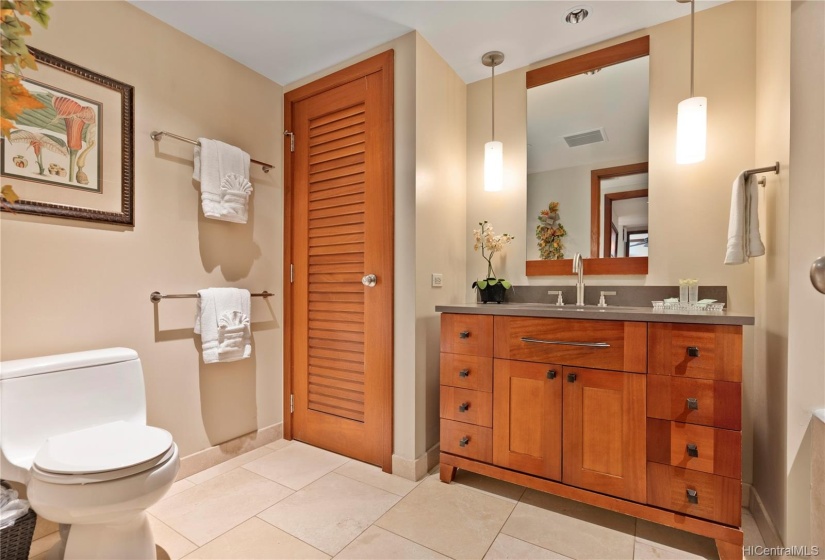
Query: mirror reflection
<point x="587" y="153"/>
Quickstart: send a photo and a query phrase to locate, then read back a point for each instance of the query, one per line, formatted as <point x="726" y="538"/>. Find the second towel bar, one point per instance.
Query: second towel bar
<point x="155" y="297"/>
<point x="158" y="135"/>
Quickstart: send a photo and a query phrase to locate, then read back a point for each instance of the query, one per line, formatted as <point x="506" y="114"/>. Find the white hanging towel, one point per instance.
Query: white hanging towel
<point x="222" y="320"/>
<point x="744" y="240"/>
<point x="223" y="172"/>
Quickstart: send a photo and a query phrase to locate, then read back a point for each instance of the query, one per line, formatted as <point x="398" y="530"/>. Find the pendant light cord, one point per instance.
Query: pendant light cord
<point x="692" y="32"/>
<point x="493" y="67"/>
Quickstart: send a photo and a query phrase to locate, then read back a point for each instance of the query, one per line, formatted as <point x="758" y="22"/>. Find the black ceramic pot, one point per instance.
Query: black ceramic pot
<point x="492" y="293"/>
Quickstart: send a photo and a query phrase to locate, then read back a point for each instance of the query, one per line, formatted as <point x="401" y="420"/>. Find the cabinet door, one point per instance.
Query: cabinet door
<point x="604" y="432"/>
<point x="527" y="414"/>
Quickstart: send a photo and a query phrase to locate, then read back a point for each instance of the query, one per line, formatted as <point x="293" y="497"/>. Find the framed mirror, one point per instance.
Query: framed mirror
<point x="587" y="162"/>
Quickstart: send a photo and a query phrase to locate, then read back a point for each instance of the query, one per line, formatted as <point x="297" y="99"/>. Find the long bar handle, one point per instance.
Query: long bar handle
<point x="155" y="297"/>
<point x="565" y="343"/>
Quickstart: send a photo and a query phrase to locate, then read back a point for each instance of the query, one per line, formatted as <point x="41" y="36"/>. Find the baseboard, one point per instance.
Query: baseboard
<point x="746" y="495"/>
<point x="418" y="468"/>
<point x="217" y="454"/>
<point x="769" y="533"/>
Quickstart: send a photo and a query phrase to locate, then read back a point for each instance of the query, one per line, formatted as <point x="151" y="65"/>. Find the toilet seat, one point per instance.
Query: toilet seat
<point x="105" y="452"/>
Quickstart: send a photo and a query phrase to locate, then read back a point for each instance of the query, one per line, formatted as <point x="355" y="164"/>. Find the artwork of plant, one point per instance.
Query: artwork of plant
<point x="550" y="233"/>
<point x="490" y="244"/>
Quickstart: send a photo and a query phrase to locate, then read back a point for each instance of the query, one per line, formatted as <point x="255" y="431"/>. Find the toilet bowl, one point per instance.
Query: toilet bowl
<point x="84" y="451"/>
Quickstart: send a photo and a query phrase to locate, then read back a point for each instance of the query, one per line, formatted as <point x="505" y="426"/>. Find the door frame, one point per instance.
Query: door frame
<point x="382" y="62"/>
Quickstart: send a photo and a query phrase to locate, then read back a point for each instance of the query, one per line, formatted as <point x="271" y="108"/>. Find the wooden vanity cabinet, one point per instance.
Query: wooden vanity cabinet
<point x="636" y="417"/>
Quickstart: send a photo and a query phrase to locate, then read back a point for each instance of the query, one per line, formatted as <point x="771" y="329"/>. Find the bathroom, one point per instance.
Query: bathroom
<point x="73" y="285"/>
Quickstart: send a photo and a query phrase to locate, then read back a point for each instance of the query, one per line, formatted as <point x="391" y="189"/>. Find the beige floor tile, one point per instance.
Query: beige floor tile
<point x="256" y="540"/>
<point x="330" y="512"/>
<point x="44" y="527"/>
<point x="379" y="544"/>
<point x="173" y="543"/>
<point x="227" y="466"/>
<point x="43" y="544"/>
<point x="571" y="528"/>
<point x="657" y="541"/>
<point x="202" y="513"/>
<point x="178" y="487"/>
<point x="752" y="535"/>
<point x="296" y="465"/>
<point x="279" y="444"/>
<point x="452" y="519"/>
<point x="491" y="486"/>
<point x="374" y="476"/>
<point x="506" y="547"/>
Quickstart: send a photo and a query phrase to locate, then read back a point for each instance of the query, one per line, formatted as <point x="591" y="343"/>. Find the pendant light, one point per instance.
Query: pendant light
<point x="493" y="150"/>
<point x="692" y="119"/>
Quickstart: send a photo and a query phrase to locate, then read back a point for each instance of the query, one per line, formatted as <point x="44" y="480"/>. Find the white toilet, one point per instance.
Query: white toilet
<point x="73" y="430"/>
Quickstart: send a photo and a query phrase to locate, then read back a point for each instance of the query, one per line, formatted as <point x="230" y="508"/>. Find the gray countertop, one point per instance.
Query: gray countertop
<point x="616" y="313"/>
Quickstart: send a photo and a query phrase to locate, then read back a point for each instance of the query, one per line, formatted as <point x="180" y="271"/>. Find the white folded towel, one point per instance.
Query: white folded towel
<point x="222" y="320"/>
<point x="744" y="240"/>
<point x="223" y="172"/>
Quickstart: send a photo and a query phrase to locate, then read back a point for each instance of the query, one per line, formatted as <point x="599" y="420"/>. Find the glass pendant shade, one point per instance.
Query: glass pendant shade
<point x="493" y="166"/>
<point x="692" y="130"/>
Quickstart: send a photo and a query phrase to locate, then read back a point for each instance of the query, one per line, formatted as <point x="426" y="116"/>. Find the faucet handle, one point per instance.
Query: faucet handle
<point x="602" y="302"/>
<point x="560" y="300"/>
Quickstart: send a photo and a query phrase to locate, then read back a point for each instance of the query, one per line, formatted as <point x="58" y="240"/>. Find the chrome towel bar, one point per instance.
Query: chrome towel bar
<point x="774" y="168"/>
<point x="155" y="297"/>
<point x="158" y="135"/>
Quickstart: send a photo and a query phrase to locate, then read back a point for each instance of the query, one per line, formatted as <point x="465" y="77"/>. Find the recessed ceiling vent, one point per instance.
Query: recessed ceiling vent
<point x="582" y="138"/>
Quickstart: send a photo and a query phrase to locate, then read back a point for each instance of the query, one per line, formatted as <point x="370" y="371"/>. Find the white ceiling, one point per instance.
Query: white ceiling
<point x="288" y="40"/>
<point x="615" y="99"/>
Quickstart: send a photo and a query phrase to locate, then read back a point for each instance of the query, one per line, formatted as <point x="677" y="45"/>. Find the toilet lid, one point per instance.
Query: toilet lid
<point x="108" y="447"/>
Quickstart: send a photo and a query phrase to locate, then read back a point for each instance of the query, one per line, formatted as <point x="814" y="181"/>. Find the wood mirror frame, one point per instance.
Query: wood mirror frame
<point x="601" y="58"/>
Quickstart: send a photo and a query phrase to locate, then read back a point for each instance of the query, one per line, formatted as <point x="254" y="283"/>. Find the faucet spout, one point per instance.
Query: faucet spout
<point x="578" y="267"/>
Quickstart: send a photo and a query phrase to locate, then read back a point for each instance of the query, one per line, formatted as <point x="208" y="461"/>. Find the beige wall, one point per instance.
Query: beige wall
<point x="404" y="430"/>
<point x="768" y="392"/>
<point x="806" y="306"/>
<point x="689" y="204"/>
<point x="440" y="214"/>
<point x="69" y="285"/>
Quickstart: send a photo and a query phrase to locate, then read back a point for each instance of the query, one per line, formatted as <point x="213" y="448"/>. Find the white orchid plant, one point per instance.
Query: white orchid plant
<point x="489" y="243"/>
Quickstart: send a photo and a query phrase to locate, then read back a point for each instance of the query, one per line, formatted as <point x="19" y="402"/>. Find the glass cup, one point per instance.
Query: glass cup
<point x="693" y="293"/>
<point x="683" y="293"/>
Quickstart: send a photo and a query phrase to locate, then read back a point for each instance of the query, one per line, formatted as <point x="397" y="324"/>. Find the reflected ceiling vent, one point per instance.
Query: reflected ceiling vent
<point x="582" y="138"/>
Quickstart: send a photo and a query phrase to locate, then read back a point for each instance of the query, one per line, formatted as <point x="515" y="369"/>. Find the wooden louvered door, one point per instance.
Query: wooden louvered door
<point x="340" y="182"/>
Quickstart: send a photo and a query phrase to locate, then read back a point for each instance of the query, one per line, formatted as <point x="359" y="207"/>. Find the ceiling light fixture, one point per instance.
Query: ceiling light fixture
<point x="692" y="116"/>
<point x="577" y="14"/>
<point x="493" y="150"/>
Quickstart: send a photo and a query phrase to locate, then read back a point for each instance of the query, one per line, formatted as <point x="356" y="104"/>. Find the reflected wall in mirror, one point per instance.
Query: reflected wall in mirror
<point x="587" y="150"/>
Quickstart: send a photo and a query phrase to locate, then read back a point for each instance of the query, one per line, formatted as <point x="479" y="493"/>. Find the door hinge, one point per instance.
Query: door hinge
<point x="291" y="140"/>
<point x="291" y="273"/>
<point x="291" y="404"/>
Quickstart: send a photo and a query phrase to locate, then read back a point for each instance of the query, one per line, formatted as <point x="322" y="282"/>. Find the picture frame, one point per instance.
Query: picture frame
<point x="72" y="157"/>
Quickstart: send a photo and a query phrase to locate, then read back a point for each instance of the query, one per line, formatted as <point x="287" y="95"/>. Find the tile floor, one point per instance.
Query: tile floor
<point x="289" y="500"/>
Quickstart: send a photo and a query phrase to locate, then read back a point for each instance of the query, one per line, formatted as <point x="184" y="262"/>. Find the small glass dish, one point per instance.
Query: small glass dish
<point x="716" y="307"/>
<point x="658" y="305"/>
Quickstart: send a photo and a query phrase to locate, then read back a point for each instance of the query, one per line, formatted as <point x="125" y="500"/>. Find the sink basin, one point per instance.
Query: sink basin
<point x="571" y="307"/>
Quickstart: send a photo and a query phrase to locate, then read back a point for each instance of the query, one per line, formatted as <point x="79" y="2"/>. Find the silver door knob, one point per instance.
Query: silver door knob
<point x="369" y="280"/>
<point x="818" y="274"/>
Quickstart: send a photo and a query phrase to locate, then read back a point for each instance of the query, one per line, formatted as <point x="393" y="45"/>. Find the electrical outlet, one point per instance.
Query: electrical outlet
<point x="438" y="280"/>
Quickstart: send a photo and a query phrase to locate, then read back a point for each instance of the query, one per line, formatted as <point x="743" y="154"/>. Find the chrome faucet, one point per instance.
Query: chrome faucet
<point x="578" y="267"/>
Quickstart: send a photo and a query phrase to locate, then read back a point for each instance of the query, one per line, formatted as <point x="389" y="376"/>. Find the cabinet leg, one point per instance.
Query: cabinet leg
<point x="447" y="473"/>
<point x="729" y="551"/>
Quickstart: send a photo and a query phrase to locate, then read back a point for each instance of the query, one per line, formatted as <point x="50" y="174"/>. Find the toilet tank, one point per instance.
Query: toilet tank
<point x="43" y="397"/>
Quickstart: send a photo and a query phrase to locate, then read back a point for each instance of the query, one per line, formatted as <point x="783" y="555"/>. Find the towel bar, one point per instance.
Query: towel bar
<point x="158" y="135"/>
<point x="155" y="297"/>
<point x="774" y="168"/>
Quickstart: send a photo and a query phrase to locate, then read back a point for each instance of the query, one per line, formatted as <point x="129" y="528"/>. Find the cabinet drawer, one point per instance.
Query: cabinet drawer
<point x="611" y="345"/>
<point x="702" y="351"/>
<point x="695" y="493"/>
<point x="695" y="401"/>
<point x="467" y="372"/>
<point x="465" y="405"/>
<point x="467" y="334"/>
<point x="467" y="440"/>
<point x="697" y="448"/>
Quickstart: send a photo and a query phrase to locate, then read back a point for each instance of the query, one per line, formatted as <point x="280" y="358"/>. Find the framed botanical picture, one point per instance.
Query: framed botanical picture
<point x="70" y="153"/>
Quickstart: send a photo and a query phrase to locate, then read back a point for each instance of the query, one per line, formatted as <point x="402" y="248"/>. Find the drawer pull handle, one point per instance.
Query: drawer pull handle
<point x="565" y="342"/>
<point x="463" y="407"/>
<point x="692" y="496"/>
<point x="464" y="373"/>
<point x="693" y="351"/>
<point x="463" y="441"/>
<point x="692" y="450"/>
<point x="693" y="404"/>
<point x="551" y="374"/>
<point x="571" y="377"/>
<point x="464" y="334"/>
